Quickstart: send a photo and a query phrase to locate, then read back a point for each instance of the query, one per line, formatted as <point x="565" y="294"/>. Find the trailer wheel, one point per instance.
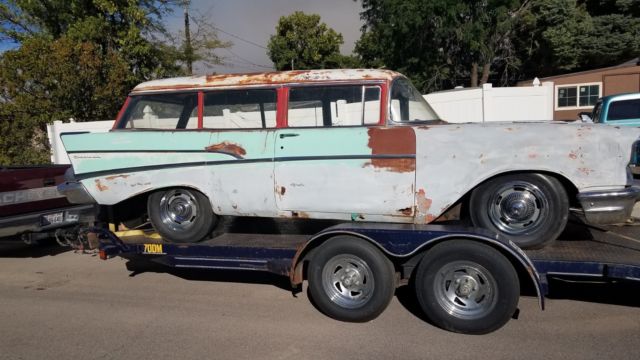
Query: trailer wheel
<point x="529" y="209"/>
<point x="181" y="215"/>
<point x="350" y="279"/>
<point x="467" y="287"/>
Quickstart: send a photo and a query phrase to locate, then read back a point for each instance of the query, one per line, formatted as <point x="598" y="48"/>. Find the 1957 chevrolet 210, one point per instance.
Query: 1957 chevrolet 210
<point x="359" y="145"/>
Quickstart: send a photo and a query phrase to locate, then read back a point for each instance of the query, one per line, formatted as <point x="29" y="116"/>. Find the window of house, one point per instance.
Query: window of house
<point x="349" y="105"/>
<point x="240" y="109"/>
<point x="577" y="96"/>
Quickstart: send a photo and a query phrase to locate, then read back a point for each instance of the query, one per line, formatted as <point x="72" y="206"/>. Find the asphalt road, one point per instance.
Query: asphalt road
<point x="57" y="304"/>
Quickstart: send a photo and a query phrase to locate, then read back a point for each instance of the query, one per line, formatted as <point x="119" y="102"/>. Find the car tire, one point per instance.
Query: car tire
<point x="350" y="279"/>
<point x="181" y="215"/>
<point x="529" y="209"/>
<point x="466" y="287"/>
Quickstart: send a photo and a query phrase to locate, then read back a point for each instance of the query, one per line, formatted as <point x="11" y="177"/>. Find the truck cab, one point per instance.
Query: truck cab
<point x="619" y="109"/>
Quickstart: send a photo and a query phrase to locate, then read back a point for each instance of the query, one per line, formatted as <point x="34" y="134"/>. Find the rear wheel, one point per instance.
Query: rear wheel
<point x="181" y="215"/>
<point x="529" y="209"/>
<point x="350" y="279"/>
<point x="467" y="287"/>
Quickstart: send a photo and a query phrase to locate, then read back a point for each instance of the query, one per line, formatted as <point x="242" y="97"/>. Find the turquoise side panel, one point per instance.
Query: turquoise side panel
<point x="121" y="151"/>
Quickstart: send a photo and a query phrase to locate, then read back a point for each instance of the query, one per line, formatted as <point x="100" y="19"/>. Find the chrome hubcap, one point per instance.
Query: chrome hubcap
<point x="178" y="209"/>
<point x="518" y="207"/>
<point x="465" y="290"/>
<point x="348" y="281"/>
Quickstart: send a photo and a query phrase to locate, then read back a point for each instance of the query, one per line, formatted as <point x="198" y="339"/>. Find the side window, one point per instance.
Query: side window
<point x="162" y="111"/>
<point x="624" y="110"/>
<point x="240" y="109"/>
<point x="348" y="105"/>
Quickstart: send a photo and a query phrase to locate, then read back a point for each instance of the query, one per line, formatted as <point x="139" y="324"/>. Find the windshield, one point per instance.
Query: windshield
<point x="408" y="105"/>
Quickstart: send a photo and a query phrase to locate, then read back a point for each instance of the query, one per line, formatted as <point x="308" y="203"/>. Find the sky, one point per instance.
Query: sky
<point x="249" y="23"/>
<point x="255" y="20"/>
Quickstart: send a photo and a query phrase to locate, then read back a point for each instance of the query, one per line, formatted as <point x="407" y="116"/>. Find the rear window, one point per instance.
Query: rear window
<point x="624" y="110"/>
<point x="162" y="111"/>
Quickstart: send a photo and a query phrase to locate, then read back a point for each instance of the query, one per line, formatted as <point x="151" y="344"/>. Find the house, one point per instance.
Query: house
<point x="578" y="92"/>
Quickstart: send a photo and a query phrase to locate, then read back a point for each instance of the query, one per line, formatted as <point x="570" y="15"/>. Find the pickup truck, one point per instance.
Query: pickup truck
<point x="618" y="109"/>
<point x="31" y="208"/>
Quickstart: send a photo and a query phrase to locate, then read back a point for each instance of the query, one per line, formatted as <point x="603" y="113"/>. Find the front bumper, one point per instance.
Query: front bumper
<point x="609" y="207"/>
<point x="75" y="192"/>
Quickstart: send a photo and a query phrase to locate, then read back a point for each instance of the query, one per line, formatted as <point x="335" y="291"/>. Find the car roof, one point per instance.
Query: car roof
<point x="265" y="78"/>
<point x="623" y="96"/>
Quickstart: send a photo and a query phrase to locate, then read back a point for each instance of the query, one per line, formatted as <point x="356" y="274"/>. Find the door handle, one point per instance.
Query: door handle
<point x="282" y="136"/>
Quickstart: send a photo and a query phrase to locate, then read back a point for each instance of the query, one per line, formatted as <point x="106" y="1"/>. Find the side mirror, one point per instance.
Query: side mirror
<point x="585" y="116"/>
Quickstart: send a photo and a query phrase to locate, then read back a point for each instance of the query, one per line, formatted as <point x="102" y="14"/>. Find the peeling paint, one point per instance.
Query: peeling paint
<point x="389" y="142"/>
<point x="113" y="177"/>
<point x="100" y="186"/>
<point x="226" y="147"/>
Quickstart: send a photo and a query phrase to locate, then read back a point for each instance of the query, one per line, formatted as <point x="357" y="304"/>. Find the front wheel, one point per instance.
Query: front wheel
<point x="467" y="287"/>
<point x="181" y="215"/>
<point x="529" y="209"/>
<point x="350" y="279"/>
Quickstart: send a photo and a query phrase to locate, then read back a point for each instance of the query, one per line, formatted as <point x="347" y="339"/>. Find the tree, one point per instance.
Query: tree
<point x="200" y="43"/>
<point x="77" y="58"/>
<point x="301" y="41"/>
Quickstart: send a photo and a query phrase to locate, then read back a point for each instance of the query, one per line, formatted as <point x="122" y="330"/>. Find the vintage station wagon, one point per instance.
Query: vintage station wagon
<point x="354" y="145"/>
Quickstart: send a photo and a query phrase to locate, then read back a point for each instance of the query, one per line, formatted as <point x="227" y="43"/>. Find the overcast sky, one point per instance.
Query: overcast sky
<point x="255" y="21"/>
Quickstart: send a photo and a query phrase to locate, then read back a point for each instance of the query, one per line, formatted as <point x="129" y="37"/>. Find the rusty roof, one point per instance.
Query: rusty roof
<point x="265" y="78"/>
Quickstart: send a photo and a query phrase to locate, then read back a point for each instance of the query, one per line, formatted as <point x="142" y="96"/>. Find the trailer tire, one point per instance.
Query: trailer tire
<point x="181" y="215"/>
<point x="350" y="279"/>
<point x="467" y="287"/>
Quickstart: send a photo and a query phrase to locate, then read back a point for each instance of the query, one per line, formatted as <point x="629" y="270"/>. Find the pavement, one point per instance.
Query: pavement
<point x="56" y="303"/>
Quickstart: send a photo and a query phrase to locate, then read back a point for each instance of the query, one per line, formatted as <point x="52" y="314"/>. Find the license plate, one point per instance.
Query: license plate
<point x="51" y="219"/>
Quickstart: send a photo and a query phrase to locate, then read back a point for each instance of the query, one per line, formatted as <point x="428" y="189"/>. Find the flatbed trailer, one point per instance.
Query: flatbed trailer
<point x="466" y="280"/>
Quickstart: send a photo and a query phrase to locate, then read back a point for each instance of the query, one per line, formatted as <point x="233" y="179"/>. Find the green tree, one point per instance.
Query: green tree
<point x="76" y="58"/>
<point x="301" y="41"/>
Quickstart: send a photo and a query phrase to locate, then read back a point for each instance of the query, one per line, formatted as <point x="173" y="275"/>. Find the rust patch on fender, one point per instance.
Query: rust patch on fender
<point x="393" y="141"/>
<point x="585" y="171"/>
<point x="113" y="177"/>
<point x="226" y="147"/>
<point x="299" y="214"/>
<point x="423" y="205"/>
<point x="100" y="186"/>
<point x="406" y="211"/>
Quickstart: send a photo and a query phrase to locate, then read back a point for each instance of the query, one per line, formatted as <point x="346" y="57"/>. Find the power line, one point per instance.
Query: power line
<point x="239" y="38"/>
<point x="248" y="62"/>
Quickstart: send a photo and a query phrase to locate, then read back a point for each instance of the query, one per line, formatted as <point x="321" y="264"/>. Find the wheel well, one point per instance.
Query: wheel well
<point x="568" y="186"/>
<point x="136" y="206"/>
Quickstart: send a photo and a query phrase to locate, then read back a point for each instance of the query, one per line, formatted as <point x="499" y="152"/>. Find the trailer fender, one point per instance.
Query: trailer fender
<point x="399" y="241"/>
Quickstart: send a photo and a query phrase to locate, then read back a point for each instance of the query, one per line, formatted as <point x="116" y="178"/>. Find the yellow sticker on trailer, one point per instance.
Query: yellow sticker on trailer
<point x="152" y="249"/>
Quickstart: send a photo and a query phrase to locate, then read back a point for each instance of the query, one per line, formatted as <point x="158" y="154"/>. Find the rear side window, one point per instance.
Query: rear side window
<point x="162" y="111"/>
<point x="240" y="109"/>
<point x="624" y="110"/>
<point x="317" y="106"/>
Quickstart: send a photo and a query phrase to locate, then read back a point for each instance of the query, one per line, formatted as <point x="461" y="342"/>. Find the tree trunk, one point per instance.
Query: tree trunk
<point x="485" y="74"/>
<point x="474" y="75"/>
<point x="188" y="50"/>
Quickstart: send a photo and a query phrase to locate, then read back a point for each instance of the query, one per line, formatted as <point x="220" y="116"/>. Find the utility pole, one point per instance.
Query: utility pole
<point x="188" y="50"/>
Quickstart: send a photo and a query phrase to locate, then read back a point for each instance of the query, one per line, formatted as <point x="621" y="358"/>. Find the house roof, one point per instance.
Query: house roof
<point x="630" y="63"/>
<point x="265" y="78"/>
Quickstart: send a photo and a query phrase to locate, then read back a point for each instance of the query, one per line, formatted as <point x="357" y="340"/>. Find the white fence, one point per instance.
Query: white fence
<point x="534" y="103"/>
<point x="58" y="154"/>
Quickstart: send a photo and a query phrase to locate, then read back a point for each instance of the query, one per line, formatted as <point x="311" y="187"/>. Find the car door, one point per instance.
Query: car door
<point x="329" y="161"/>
